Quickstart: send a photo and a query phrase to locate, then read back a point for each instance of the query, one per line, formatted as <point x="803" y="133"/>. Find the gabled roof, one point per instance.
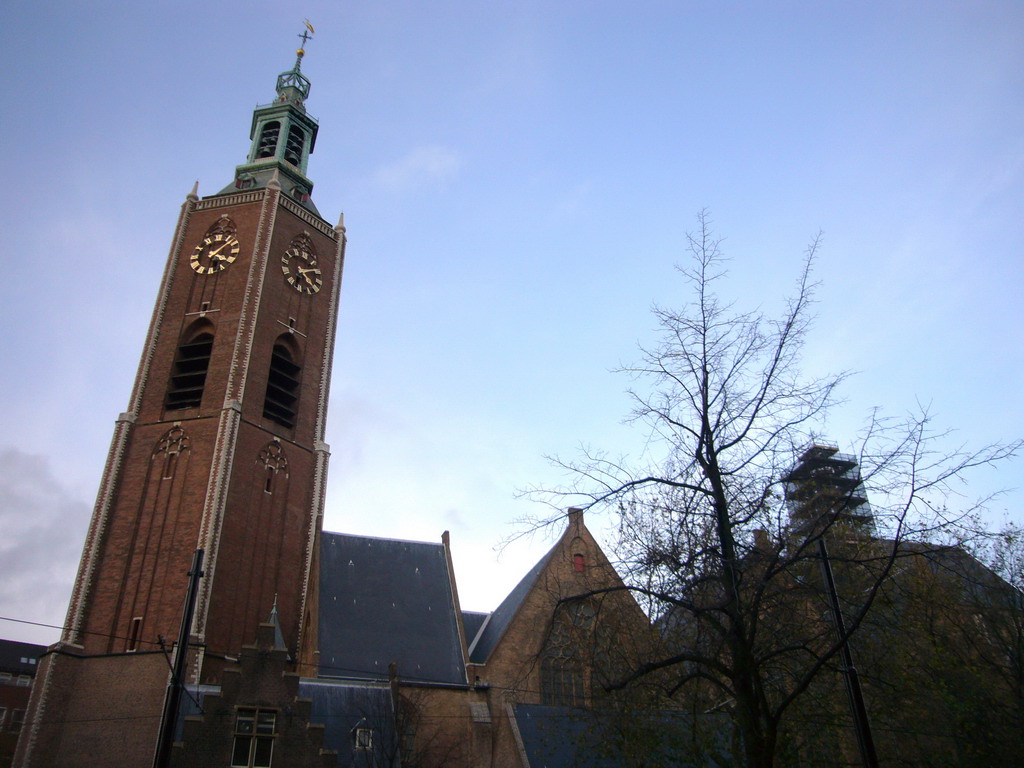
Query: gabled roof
<point x="497" y="623"/>
<point x="383" y="601"/>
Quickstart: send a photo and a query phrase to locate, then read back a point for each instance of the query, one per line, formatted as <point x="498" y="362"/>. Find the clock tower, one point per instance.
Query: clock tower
<point x="221" y="448"/>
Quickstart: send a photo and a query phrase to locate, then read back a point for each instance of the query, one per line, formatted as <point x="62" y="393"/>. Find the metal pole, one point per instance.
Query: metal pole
<point x="860" y="713"/>
<point x="162" y="758"/>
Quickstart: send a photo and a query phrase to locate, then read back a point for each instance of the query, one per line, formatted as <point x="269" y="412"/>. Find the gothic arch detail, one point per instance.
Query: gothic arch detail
<point x="174" y="442"/>
<point x="304" y="242"/>
<point x="274" y="462"/>
<point x="222" y="226"/>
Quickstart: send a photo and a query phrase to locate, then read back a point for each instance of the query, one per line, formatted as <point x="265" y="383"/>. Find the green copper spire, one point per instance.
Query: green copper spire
<point x="293" y="86"/>
<point x="282" y="136"/>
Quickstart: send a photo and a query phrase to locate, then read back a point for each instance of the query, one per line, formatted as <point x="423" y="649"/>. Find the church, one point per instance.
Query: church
<point x="303" y="647"/>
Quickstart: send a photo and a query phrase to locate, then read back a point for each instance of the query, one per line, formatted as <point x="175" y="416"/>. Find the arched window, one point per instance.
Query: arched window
<point x="267" y="145"/>
<point x="561" y="664"/>
<point x="293" y="149"/>
<point x="281" y="402"/>
<point x="188" y="376"/>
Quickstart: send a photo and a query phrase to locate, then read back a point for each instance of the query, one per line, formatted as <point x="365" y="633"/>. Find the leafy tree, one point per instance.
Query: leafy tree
<point x="705" y="535"/>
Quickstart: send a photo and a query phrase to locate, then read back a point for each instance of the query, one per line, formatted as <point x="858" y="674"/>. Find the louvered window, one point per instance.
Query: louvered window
<point x="282" y="388"/>
<point x="293" y="149"/>
<point x="189" y="374"/>
<point x="268" y="140"/>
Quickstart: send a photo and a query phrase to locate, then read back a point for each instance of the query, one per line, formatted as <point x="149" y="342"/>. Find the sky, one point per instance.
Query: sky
<point x="517" y="179"/>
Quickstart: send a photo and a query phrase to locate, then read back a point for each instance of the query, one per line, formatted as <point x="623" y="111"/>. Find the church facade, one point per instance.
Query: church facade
<point x="367" y="657"/>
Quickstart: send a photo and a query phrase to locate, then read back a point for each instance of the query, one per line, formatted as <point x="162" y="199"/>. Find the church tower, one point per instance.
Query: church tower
<point x="221" y="448"/>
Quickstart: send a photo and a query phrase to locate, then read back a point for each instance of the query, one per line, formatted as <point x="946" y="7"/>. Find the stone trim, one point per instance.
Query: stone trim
<point x="314" y="221"/>
<point x="36" y="711"/>
<point x="327" y="362"/>
<point x="322" y="449"/>
<point x="97" y="529"/>
<point x="213" y="512"/>
<point x="316" y="519"/>
<point x="119" y="443"/>
<point x="222" y="201"/>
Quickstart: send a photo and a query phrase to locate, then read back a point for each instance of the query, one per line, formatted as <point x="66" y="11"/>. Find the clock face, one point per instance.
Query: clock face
<point x="214" y="253"/>
<point x="300" y="270"/>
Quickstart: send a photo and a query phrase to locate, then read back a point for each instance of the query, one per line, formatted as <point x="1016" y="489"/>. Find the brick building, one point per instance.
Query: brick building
<point x="18" y="663"/>
<point x="221" y="449"/>
<point x="405" y="677"/>
<point x="367" y="658"/>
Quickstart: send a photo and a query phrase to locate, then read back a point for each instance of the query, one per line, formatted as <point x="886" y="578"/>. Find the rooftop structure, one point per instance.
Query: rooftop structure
<point x="824" y="488"/>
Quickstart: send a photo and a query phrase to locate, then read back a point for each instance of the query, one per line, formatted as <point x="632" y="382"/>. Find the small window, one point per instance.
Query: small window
<point x="133" y="634"/>
<point x="579" y="563"/>
<point x="282" y="397"/>
<point x="17" y="718"/>
<point x="254" y="738"/>
<point x="188" y="377"/>
<point x="362" y="738"/>
<point x="24" y="680"/>
<point x="5" y="677"/>
<point x="267" y="145"/>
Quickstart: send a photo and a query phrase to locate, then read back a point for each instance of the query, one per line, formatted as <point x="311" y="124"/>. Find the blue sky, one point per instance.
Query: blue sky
<point x="517" y="180"/>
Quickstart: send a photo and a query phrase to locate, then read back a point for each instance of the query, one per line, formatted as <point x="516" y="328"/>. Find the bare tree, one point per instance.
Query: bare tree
<point x="706" y="537"/>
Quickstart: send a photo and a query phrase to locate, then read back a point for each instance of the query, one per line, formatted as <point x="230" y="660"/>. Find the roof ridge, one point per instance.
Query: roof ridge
<point x="509" y="607"/>
<point x="381" y="538"/>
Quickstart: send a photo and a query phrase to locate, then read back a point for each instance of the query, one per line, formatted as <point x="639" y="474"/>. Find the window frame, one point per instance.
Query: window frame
<point x="251" y="737"/>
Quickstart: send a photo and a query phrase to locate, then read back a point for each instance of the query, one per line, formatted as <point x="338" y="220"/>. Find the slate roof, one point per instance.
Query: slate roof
<point x="561" y="737"/>
<point x="497" y="623"/>
<point x="342" y="708"/>
<point x="472" y="622"/>
<point x="384" y="600"/>
<point x="12" y="652"/>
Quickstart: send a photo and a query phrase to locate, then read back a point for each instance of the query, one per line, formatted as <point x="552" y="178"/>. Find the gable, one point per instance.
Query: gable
<point x="574" y="566"/>
<point x="496" y="624"/>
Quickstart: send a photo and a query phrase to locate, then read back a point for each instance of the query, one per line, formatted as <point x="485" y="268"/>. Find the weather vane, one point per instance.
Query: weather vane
<point x="307" y="34"/>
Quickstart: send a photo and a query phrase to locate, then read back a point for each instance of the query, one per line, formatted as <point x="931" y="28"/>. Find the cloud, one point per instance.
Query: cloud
<point x="428" y="166"/>
<point x="43" y="525"/>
